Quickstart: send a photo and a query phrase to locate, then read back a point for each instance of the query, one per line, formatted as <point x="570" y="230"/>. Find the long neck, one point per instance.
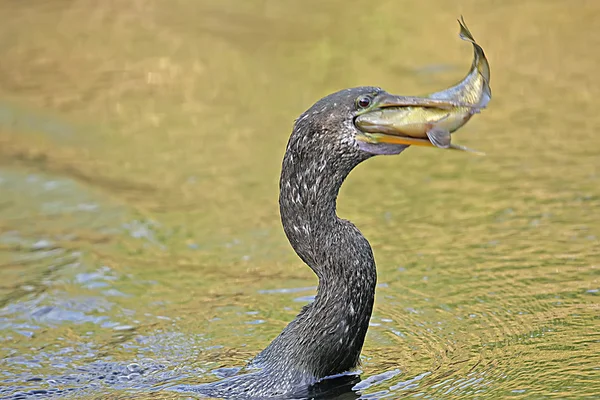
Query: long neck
<point x="327" y="336"/>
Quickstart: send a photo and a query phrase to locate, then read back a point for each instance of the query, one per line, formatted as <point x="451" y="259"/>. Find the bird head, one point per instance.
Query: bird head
<point x="333" y="123"/>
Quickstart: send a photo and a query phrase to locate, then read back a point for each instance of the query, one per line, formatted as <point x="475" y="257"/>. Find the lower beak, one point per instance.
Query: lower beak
<point x="383" y="138"/>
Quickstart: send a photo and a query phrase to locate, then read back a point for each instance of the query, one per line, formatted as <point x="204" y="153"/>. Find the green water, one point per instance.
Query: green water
<point x="140" y="147"/>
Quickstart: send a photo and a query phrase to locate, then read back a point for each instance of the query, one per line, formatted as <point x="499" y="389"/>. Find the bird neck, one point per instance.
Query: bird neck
<point x="327" y="336"/>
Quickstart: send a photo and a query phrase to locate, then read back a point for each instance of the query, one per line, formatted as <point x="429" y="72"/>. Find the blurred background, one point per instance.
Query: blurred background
<point x="140" y="151"/>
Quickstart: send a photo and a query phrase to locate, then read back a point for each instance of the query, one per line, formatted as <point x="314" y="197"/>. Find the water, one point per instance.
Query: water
<point x="140" y="147"/>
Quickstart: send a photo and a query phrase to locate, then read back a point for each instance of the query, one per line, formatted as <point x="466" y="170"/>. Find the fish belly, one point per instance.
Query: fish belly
<point x="454" y="121"/>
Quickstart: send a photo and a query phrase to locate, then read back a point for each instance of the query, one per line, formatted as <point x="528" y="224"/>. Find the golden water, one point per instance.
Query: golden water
<point x="140" y="147"/>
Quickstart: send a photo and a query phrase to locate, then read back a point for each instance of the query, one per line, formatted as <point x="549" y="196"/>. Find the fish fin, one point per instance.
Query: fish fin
<point x="439" y="137"/>
<point x="468" y="150"/>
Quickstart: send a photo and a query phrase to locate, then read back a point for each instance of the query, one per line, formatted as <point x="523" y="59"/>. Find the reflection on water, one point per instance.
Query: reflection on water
<point x="140" y="146"/>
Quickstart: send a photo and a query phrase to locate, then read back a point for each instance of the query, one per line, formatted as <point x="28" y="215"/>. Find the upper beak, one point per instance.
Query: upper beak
<point x="390" y="100"/>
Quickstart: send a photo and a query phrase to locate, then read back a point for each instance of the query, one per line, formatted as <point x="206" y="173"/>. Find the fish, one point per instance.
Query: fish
<point x="428" y="124"/>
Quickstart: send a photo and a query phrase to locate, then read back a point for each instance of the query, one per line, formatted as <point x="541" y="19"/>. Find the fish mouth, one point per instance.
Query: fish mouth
<point x="377" y="127"/>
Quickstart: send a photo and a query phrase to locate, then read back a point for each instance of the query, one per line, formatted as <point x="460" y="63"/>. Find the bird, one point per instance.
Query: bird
<point x="326" y="337"/>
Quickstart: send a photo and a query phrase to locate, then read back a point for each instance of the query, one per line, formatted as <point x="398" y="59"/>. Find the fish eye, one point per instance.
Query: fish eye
<point x="363" y="101"/>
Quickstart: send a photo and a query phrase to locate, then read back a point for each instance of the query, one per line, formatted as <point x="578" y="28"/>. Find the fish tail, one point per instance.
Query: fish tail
<point x="465" y="33"/>
<point x="479" y="61"/>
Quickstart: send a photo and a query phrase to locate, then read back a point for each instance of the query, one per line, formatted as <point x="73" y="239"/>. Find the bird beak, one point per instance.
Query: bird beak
<point x="384" y="100"/>
<point x="382" y="129"/>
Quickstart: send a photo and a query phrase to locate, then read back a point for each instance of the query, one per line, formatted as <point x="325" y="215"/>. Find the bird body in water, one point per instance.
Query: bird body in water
<point x="327" y="336"/>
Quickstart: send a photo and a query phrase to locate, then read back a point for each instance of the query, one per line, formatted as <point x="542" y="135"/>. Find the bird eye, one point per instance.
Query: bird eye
<point x="363" y="101"/>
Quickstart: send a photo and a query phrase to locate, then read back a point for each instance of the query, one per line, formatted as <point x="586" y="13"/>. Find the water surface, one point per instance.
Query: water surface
<point x="140" y="147"/>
